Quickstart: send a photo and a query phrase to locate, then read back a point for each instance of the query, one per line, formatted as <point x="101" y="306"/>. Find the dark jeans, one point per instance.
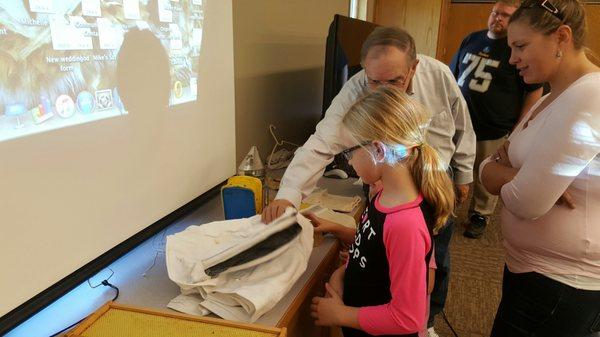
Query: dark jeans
<point x="533" y="305"/>
<point x="442" y="273"/>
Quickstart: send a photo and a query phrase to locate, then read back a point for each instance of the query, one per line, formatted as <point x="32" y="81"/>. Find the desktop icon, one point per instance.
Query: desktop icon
<point x="65" y="107"/>
<point x="70" y="33"/>
<point x="47" y="105"/>
<point x="131" y="9"/>
<point x="41" y="6"/>
<point x="16" y="110"/>
<point x="165" y="13"/>
<point x="42" y="112"/>
<point x="175" y="37"/>
<point x="110" y="34"/>
<point x="104" y="99"/>
<point x="91" y="8"/>
<point x="85" y="102"/>
<point x="178" y="89"/>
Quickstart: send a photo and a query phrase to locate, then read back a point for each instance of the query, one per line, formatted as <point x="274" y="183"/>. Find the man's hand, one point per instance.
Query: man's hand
<point x="275" y="209"/>
<point x="462" y="192"/>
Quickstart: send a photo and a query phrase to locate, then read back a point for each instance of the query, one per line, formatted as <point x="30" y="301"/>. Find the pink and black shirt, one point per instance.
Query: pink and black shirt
<point x="386" y="274"/>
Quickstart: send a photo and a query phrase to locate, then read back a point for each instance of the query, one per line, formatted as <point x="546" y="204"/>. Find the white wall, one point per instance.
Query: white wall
<point x="279" y="55"/>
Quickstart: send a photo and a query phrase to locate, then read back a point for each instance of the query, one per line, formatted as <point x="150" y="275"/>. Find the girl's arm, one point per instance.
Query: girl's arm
<point x="337" y="280"/>
<point x="331" y="311"/>
<point x="345" y="234"/>
<point x="432" y="268"/>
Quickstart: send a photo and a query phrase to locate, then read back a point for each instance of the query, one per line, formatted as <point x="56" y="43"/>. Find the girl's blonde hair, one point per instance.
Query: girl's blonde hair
<point x="387" y="114"/>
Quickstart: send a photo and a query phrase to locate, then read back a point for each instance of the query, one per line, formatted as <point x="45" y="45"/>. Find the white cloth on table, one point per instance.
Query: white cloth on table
<point x="190" y="304"/>
<point x="245" y="292"/>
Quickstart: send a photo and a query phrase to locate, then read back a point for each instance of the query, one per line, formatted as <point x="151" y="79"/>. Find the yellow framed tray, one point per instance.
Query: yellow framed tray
<point x="252" y="183"/>
<point x="117" y="320"/>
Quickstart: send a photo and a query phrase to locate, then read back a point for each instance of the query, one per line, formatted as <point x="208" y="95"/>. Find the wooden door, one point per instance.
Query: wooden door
<point x="421" y="18"/>
<point x="460" y="19"/>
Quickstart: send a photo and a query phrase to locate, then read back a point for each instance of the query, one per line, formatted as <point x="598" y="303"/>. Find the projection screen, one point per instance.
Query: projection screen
<point x="113" y="114"/>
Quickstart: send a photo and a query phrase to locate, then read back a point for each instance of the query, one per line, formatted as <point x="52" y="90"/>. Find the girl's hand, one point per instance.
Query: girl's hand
<point x="325" y="310"/>
<point x="343" y="233"/>
<point x="321" y="225"/>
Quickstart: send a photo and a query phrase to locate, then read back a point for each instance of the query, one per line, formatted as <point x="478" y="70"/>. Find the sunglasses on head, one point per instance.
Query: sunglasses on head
<point x="547" y="6"/>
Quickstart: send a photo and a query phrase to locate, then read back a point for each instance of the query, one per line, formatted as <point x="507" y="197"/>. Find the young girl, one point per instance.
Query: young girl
<point x="382" y="290"/>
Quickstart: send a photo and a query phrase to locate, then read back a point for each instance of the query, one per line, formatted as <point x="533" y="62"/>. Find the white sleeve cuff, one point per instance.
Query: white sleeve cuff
<point x="292" y="195"/>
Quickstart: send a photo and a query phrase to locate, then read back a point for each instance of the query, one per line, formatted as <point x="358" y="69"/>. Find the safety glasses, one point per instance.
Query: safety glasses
<point x="347" y="153"/>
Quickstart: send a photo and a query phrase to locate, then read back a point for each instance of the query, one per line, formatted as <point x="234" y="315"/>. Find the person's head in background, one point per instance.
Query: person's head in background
<point x="547" y="39"/>
<point x="499" y="16"/>
<point x="389" y="130"/>
<point x="389" y="57"/>
<point x="143" y="72"/>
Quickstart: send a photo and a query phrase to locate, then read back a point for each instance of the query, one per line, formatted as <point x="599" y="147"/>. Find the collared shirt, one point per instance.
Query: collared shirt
<point x="450" y="131"/>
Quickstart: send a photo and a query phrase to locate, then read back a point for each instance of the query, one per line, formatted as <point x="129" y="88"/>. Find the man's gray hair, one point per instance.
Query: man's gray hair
<point x="389" y="36"/>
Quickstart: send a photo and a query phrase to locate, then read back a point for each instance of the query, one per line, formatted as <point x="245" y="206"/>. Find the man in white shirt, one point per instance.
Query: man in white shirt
<point x="389" y="58"/>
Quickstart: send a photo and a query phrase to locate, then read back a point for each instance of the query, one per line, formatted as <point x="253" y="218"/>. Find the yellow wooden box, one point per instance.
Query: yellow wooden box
<point x="116" y="320"/>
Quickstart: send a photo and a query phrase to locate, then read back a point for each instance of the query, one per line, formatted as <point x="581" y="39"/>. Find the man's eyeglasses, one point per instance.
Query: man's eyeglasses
<point x="347" y="153"/>
<point x="547" y="6"/>
<point x="399" y="81"/>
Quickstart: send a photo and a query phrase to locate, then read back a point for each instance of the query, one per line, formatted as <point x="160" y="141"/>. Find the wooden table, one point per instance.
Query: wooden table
<point x="297" y="318"/>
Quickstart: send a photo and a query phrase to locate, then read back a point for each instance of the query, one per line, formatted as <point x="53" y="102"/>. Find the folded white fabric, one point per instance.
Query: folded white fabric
<point x="190" y="304"/>
<point x="241" y="292"/>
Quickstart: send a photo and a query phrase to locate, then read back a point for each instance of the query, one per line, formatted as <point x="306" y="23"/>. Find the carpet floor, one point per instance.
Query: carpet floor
<point x="475" y="279"/>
